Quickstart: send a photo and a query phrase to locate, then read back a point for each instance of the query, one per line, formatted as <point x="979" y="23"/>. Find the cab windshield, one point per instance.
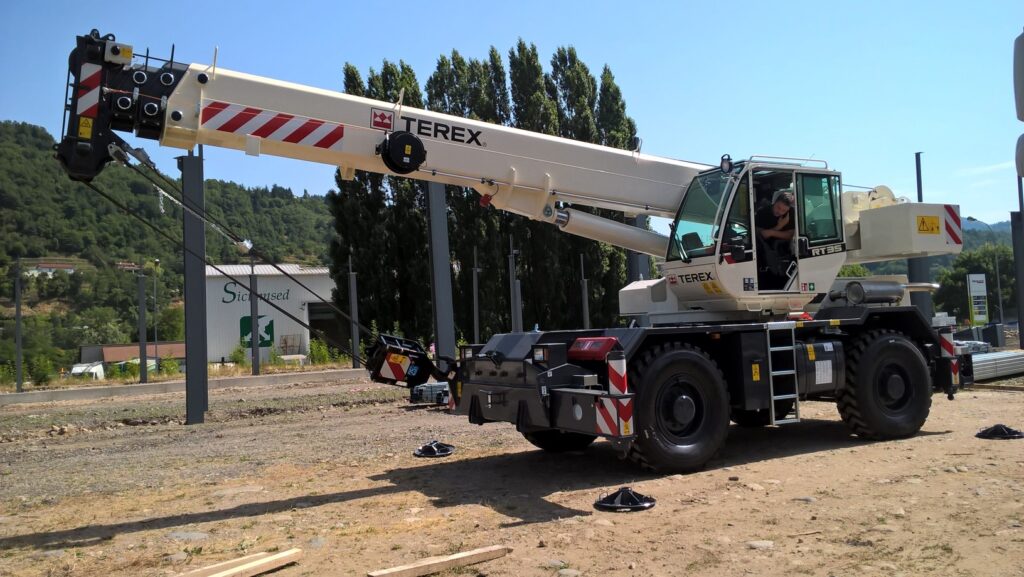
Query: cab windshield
<point x="694" y="230"/>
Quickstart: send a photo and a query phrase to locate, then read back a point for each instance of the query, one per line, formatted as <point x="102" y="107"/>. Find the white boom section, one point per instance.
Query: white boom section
<point x="520" y="171"/>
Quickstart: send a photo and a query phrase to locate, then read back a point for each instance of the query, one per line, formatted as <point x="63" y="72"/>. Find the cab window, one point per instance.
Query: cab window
<point x="694" y="231"/>
<point x="820" y="217"/>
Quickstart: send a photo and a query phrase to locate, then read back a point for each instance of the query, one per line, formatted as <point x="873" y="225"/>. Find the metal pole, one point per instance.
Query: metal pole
<point x="585" y="295"/>
<point x="194" y="234"/>
<point x="513" y="287"/>
<point x="440" y="272"/>
<point x="1017" y="227"/>
<point x="353" y="312"/>
<point x="917" y="268"/>
<point x="476" y="299"/>
<point x="156" y="317"/>
<point x="1017" y="230"/>
<point x="143" y="361"/>
<point x="254" y="317"/>
<point x="638" y="265"/>
<point x="19" y="376"/>
<point x="999" y="286"/>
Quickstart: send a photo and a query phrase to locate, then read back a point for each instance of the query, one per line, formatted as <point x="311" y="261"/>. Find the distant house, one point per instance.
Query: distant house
<point x="48" y="268"/>
<point x="114" y="354"/>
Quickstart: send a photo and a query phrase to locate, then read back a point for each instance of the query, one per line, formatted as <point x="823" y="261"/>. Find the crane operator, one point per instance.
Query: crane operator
<point x="775" y="230"/>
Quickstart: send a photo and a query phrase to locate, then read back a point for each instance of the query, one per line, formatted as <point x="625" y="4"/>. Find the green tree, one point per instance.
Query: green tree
<point x="952" y="293"/>
<point x="854" y="270"/>
<point x="171" y="324"/>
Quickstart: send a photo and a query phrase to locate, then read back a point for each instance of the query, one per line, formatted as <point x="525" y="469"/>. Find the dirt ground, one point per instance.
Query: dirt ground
<point x="120" y="487"/>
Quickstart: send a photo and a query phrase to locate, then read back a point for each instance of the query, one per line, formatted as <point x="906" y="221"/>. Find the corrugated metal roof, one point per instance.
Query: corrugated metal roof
<point x="267" y="270"/>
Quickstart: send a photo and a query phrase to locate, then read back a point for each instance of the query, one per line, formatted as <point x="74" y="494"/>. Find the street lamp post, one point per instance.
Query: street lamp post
<point x="995" y="252"/>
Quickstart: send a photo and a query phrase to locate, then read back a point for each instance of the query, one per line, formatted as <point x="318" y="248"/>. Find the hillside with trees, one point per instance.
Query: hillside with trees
<point x="46" y="216"/>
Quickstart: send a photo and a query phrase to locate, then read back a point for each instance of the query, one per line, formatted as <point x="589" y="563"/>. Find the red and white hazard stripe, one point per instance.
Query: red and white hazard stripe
<point x="607" y="421"/>
<point x="946" y="343"/>
<point x="395" y="366"/>
<point x="270" y="125"/>
<point x="617" y="381"/>
<point x="954" y="230"/>
<point x="954" y="368"/>
<point x="89" y="90"/>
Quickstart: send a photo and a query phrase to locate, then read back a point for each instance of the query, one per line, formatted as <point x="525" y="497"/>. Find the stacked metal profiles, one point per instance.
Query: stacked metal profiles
<point x="996" y="365"/>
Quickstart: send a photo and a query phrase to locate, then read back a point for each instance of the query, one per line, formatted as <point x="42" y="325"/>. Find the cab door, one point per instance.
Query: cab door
<point x="821" y="247"/>
<point x="737" y="265"/>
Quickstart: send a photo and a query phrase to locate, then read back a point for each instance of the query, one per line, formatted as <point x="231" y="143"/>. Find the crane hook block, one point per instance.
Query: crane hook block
<point x="402" y="152"/>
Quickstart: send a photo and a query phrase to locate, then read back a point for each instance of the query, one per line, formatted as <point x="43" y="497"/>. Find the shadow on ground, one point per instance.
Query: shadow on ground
<point x="513" y="484"/>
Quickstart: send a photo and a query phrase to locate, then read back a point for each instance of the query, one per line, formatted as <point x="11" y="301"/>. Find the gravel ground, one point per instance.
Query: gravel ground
<point x="120" y="487"/>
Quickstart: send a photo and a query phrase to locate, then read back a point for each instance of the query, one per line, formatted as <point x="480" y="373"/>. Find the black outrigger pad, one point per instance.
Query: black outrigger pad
<point x="999" y="431"/>
<point x="434" y="449"/>
<point x="624" y="500"/>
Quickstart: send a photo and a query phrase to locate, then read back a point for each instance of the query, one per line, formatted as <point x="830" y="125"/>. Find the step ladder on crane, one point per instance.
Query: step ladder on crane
<point x="782" y="378"/>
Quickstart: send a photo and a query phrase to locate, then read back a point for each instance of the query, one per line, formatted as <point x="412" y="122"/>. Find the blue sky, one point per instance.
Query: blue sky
<point x="861" y="84"/>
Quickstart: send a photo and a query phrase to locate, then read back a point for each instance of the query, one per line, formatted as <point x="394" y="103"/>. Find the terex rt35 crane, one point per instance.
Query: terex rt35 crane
<point x="753" y="242"/>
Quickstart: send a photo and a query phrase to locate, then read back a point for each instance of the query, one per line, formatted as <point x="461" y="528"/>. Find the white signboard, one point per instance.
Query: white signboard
<point x="977" y="293"/>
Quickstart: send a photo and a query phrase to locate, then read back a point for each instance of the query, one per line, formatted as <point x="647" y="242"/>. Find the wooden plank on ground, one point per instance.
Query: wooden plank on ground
<point x="218" y="567"/>
<point x="436" y="564"/>
<point x="262" y="565"/>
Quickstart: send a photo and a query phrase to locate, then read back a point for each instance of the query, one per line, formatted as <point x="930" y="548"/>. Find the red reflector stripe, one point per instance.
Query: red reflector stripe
<point x="212" y="110"/>
<point x="953" y="215"/>
<point x="303" y="131"/>
<point x="332" y="137"/>
<point x="953" y="234"/>
<point x="272" y="125"/>
<point x="239" y="119"/>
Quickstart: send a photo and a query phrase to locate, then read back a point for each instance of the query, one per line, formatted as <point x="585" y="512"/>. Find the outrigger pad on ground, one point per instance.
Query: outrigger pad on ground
<point x="434" y="449"/>
<point x="624" y="500"/>
<point x="999" y="431"/>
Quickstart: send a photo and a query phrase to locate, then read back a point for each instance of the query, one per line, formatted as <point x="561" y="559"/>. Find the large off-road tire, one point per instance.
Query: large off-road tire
<point x="763" y="417"/>
<point x="888" y="389"/>
<point x="682" y="408"/>
<point x="555" y="441"/>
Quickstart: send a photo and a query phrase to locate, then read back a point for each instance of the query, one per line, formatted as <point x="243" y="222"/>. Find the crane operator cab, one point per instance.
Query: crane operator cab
<point x="757" y="235"/>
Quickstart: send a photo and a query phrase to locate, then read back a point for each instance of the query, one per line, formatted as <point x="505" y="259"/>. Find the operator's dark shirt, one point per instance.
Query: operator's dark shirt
<point x="766" y="219"/>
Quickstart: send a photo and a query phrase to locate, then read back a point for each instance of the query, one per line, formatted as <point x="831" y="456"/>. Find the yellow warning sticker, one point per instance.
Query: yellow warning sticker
<point x="396" y="358"/>
<point x="408" y="149"/>
<point x="84" y="127"/>
<point x="927" y="225"/>
<point x="755" y="372"/>
<point x="834" y="322"/>
<point x="810" y="352"/>
<point x="626" y="428"/>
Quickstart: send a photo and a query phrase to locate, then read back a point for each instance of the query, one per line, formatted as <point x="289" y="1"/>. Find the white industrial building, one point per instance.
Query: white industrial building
<point x="228" y="312"/>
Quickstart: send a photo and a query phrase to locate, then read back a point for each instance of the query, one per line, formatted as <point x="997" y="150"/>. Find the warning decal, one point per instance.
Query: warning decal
<point x="928" y="225"/>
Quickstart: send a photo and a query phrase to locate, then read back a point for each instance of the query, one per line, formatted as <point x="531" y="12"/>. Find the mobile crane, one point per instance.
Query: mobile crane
<point x="735" y="328"/>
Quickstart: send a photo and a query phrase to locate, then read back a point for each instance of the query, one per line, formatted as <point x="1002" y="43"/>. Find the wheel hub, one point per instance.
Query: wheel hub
<point x="683" y="410"/>
<point x="895" y="387"/>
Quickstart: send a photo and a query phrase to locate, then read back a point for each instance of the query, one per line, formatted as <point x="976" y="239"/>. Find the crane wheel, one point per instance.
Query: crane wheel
<point x="763" y="417"/>
<point x="682" y="408"/>
<point x="555" y="441"/>
<point x="888" y="390"/>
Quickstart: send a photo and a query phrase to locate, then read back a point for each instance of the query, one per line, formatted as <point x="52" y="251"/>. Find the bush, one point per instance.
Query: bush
<point x="130" y="371"/>
<point x="319" y="353"/>
<point x="7" y="374"/>
<point x="40" y="369"/>
<point x="169" y="366"/>
<point x="240" y="356"/>
<point x="275" y="357"/>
